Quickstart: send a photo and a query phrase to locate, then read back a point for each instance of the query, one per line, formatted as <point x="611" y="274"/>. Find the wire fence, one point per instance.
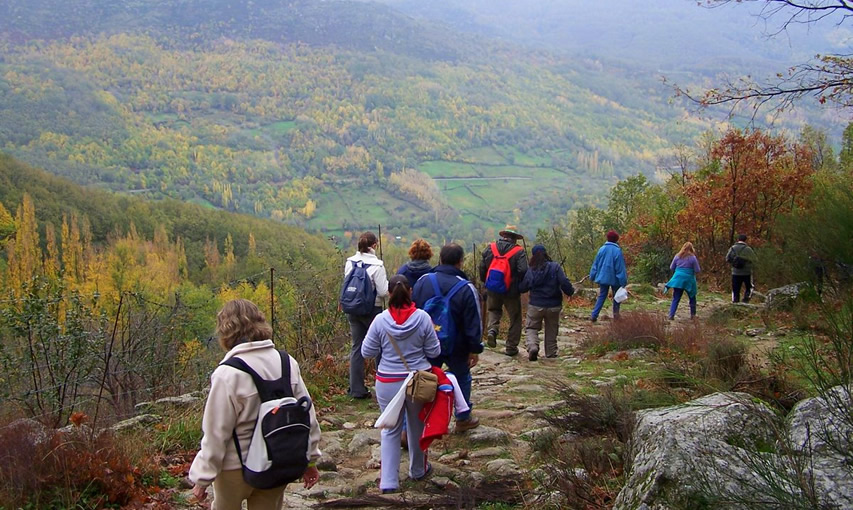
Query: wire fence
<point x="63" y="353"/>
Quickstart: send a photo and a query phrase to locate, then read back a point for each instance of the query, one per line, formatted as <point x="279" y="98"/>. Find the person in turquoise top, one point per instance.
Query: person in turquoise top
<point x="609" y="272"/>
<point x="685" y="266"/>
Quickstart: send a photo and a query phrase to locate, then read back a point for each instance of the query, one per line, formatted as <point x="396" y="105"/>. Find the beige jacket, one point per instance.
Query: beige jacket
<point x="233" y="402"/>
<point x="376" y="271"/>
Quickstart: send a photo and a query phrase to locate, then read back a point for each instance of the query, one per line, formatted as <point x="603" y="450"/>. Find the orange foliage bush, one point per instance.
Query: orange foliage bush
<point x="46" y="468"/>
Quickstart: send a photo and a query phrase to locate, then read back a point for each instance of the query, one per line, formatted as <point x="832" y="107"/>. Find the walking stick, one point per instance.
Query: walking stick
<point x="559" y="251"/>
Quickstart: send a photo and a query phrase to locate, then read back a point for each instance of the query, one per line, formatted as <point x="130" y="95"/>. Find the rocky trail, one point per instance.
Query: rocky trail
<point x="495" y="462"/>
<point x="509" y="394"/>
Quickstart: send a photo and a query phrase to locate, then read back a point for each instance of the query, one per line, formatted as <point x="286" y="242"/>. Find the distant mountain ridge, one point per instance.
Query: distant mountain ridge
<point x="331" y="115"/>
<point x="351" y="25"/>
<point x="667" y="34"/>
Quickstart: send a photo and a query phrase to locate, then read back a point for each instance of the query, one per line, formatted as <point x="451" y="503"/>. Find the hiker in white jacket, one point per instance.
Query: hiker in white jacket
<point x="359" y="324"/>
<point x="233" y="405"/>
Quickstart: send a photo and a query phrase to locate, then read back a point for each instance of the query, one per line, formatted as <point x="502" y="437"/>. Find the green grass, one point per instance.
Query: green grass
<point x="486" y="154"/>
<point x="512" y="154"/>
<point x="280" y="128"/>
<point x="202" y="202"/>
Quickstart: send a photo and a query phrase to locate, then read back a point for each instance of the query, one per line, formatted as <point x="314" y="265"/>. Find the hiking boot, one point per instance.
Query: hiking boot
<point x="471" y="423"/>
<point x="511" y="352"/>
<point x="492" y="339"/>
<point x="593" y="319"/>
<point x="533" y="355"/>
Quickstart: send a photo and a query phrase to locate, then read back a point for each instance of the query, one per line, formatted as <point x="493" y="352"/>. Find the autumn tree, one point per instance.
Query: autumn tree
<point x="7" y="225"/>
<point x="753" y="177"/>
<point x="826" y="77"/>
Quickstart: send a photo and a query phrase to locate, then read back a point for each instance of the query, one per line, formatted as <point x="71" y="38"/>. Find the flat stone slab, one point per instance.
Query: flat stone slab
<point x="485" y="434"/>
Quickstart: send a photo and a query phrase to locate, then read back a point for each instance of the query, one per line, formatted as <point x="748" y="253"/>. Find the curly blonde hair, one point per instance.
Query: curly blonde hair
<point x="420" y="250"/>
<point x="240" y="321"/>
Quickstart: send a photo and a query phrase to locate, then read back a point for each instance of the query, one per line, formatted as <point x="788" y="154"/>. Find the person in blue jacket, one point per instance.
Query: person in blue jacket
<point x="609" y="272"/>
<point x="546" y="282"/>
<point x="420" y="252"/>
<point x="465" y="310"/>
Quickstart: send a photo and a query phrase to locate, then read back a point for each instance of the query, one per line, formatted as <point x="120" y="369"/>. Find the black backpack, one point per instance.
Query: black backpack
<point x="736" y="260"/>
<point x="278" y="453"/>
<point x="358" y="295"/>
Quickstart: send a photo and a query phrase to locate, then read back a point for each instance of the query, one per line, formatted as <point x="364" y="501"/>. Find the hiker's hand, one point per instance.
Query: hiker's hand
<point x="473" y="359"/>
<point x="311" y="477"/>
<point x="200" y="492"/>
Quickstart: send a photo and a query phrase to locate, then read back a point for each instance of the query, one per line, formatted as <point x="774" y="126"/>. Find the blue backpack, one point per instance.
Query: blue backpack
<point x="438" y="308"/>
<point x="358" y="295"/>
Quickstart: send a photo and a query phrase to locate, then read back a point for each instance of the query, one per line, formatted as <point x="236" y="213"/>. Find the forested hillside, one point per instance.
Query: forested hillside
<point x="331" y="115"/>
<point x="207" y="240"/>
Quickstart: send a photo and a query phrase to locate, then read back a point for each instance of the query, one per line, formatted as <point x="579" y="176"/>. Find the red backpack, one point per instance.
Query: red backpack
<point x="499" y="274"/>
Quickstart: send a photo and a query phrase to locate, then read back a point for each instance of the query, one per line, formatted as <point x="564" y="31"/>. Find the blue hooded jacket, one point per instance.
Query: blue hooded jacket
<point x="464" y="306"/>
<point x="545" y="284"/>
<point x="414" y="269"/>
<point x="609" y="266"/>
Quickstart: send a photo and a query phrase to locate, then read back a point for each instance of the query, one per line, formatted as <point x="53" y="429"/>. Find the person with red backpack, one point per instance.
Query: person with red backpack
<point x="502" y="268"/>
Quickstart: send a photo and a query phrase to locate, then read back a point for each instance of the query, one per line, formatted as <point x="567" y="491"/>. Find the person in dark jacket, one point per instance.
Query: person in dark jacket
<point x="609" y="272"/>
<point x="465" y="310"/>
<point x="546" y="282"/>
<point x="420" y="252"/>
<point x="742" y="259"/>
<point x="511" y="299"/>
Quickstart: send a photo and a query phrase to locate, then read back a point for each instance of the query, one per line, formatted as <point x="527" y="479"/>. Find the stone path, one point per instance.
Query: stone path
<point x="507" y="393"/>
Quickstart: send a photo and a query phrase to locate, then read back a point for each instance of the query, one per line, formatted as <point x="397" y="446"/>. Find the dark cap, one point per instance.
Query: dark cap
<point x="613" y="236"/>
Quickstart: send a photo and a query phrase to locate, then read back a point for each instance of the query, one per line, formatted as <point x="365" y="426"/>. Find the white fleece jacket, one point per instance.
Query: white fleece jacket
<point x="376" y="271"/>
<point x="233" y="402"/>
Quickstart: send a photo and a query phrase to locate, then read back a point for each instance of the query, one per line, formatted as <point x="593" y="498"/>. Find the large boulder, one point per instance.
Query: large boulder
<point x="587" y="293"/>
<point x="732" y="451"/>
<point x="783" y="298"/>
<point x="726" y="312"/>
<point x="823" y="427"/>
<point x="684" y="453"/>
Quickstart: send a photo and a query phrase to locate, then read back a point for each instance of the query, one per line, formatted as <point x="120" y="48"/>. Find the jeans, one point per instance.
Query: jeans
<point x="359" y="325"/>
<point x="457" y="364"/>
<point x="738" y="281"/>
<point x="389" y="470"/>
<point x="603" y="290"/>
<point x="676" y="298"/>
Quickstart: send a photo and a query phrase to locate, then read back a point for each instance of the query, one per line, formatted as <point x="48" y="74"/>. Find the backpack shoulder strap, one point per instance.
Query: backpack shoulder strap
<point x="512" y="251"/>
<point x="242" y="366"/>
<point x="435" y="288"/>
<point x="456" y="288"/>
<point x="266" y="389"/>
<point x="285" y="374"/>
<point x="494" y="247"/>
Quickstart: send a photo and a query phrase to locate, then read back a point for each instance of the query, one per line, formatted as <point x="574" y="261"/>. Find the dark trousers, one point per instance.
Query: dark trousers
<point x="738" y="281"/>
<point x="359" y="324"/>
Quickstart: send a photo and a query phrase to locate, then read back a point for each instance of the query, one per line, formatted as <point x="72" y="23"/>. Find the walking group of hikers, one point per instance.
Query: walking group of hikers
<point x="433" y="322"/>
